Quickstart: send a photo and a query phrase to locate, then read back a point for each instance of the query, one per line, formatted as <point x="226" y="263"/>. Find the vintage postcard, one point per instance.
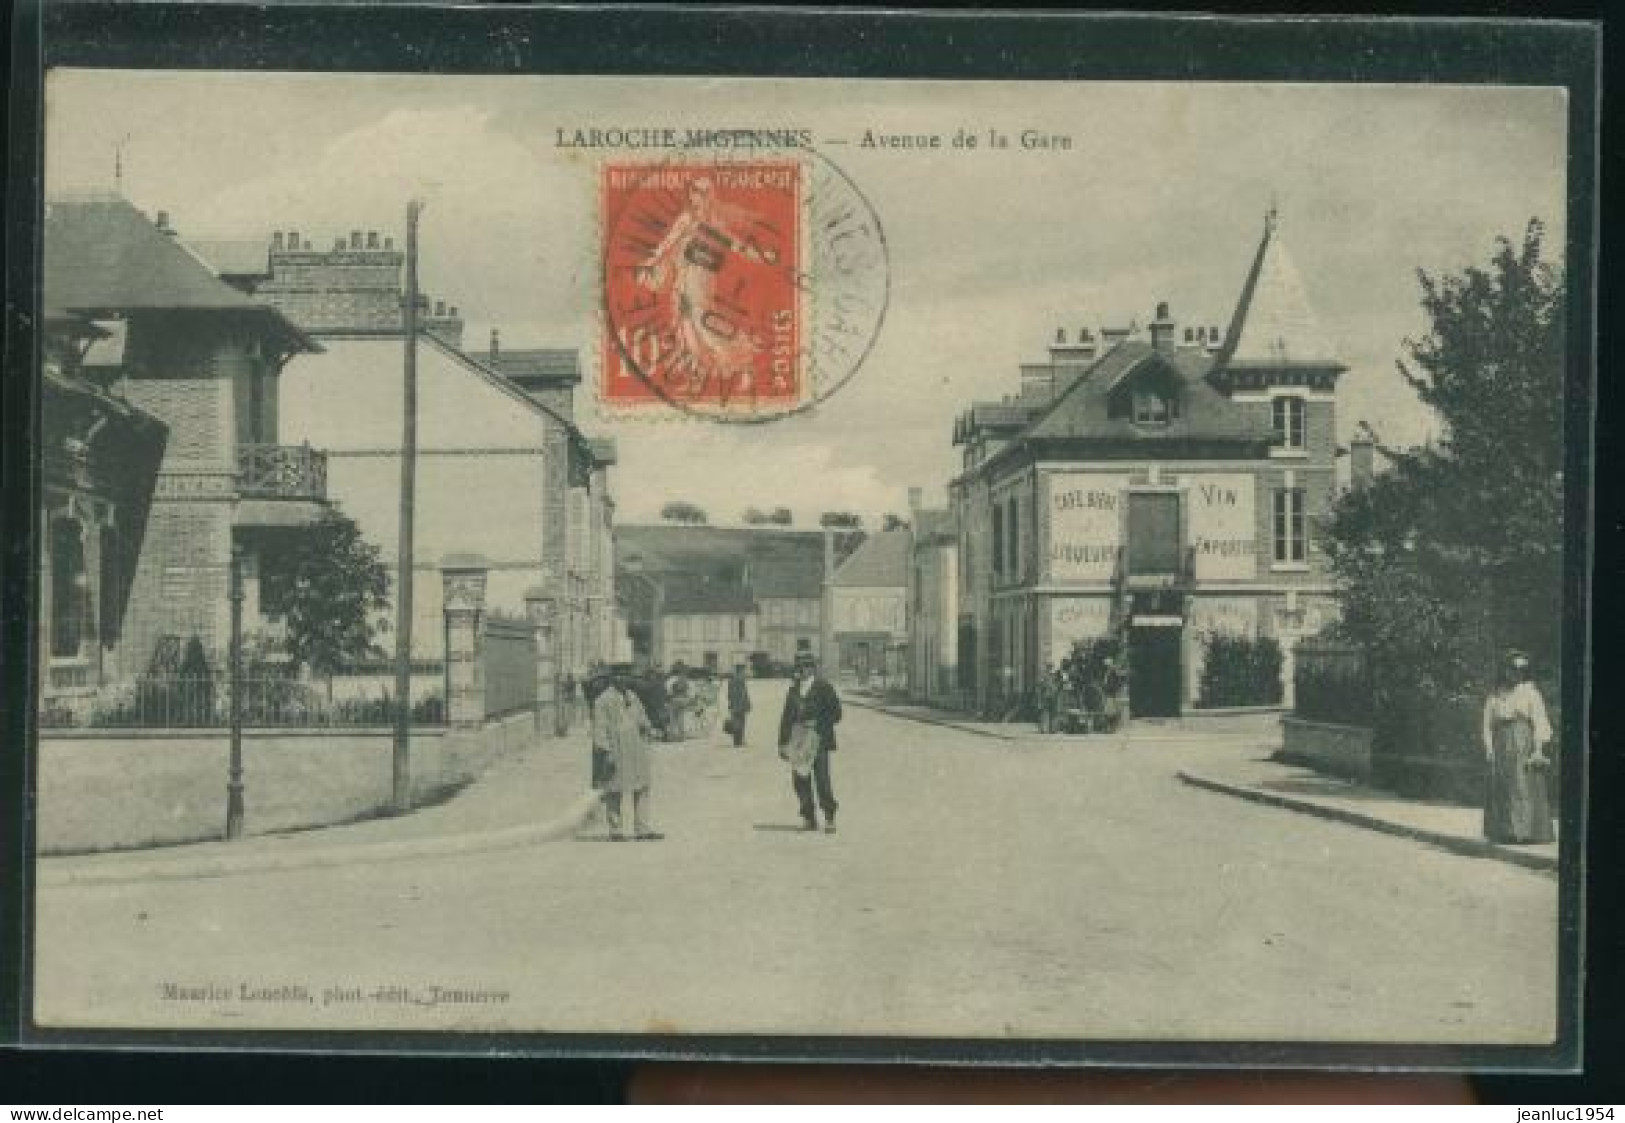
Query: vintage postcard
<point x="712" y="558"/>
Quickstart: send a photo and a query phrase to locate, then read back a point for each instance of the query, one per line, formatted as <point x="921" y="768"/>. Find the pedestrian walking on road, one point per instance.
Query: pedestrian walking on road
<point x="1517" y="736"/>
<point x="812" y="709"/>
<point x="738" y="704"/>
<point x="620" y="732"/>
<point x="1049" y="698"/>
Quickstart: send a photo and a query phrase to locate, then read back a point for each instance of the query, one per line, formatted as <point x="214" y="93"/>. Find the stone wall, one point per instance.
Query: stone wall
<point x="1337" y="750"/>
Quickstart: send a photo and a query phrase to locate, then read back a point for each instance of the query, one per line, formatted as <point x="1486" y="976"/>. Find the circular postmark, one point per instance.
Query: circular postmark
<point x="740" y="286"/>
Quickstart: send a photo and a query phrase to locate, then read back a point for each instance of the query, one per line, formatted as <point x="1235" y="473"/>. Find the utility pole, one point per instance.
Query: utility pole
<point x="402" y="763"/>
<point x="234" y="663"/>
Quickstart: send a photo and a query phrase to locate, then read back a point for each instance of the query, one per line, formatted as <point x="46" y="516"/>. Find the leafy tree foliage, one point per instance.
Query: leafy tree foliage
<point x="1456" y="554"/>
<point x="330" y="586"/>
<point x="679" y="511"/>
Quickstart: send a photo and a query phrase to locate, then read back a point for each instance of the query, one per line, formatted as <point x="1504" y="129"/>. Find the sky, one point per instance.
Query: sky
<point x="1161" y="196"/>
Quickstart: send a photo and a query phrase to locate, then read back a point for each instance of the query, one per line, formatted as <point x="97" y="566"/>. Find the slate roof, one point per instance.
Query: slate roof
<point x="1274" y="324"/>
<point x="1084" y="409"/>
<point x="685" y="596"/>
<point x="880" y="562"/>
<point x="234" y="257"/>
<point x="774" y="563"/>
<point x="104" y="256"/>
<point x="543" y="364"/>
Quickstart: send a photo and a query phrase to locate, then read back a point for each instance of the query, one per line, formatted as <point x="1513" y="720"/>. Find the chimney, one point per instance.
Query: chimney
<point x="440" y="309"/>
<point x="1163" y="332"/>
<point x="355" y="239"/>
<point x="372" y="239"/>
<point x="1038" y="380"/>
<point x="276" y="240"/>
<point x="496" y="343"/>
<point x="162" y="222"/>
<point x="1362" y="456"/>
<point x="1214" y="339"/>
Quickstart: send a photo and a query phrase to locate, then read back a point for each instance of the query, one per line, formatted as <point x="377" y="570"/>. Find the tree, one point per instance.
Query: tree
<point x="330" y="586"/>
<point x="679" y="511"/>
<point x="755" y="516"/>
<point x="1457" y="553"/>
<point x="841" y="520"/>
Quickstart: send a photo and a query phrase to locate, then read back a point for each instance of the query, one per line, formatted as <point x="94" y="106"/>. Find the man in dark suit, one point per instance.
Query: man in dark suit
<point x="812" y="709"/>
<point x="738" y="704"/>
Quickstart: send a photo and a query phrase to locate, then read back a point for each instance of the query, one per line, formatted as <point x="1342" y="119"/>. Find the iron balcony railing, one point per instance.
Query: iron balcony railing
<point x="282" y="472"/>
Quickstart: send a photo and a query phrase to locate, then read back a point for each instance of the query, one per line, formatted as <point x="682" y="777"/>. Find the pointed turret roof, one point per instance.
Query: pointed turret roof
<point x="1274" y="324"/>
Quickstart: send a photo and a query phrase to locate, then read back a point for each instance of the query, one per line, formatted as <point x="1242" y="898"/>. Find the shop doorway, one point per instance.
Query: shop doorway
<point x="1154" y="670"/>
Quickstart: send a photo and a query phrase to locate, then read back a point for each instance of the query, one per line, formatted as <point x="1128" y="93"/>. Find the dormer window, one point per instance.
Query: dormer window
<point x="1154" y="407"/>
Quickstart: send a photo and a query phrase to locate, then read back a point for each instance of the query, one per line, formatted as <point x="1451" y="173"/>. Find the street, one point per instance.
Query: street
<point x="977" y="888"/>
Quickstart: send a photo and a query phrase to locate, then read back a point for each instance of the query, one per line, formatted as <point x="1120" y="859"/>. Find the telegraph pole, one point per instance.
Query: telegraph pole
<point x="402" y="769"/>
<point x="234" y="662"/>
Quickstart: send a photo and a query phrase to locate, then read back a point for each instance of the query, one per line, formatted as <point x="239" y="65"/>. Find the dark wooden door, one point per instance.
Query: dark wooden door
<point x="1154" y="671"/>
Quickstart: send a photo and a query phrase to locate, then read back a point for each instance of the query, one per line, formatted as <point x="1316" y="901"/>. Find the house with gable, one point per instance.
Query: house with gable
<point x="165" y="456"/>
<point x="1159" y="487"/>
<point x="869" y="609"/>
<point x="502" y="470"/>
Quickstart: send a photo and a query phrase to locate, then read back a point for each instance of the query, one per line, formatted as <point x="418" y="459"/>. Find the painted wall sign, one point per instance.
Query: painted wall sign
<point x="1231" y="615"/>
<point x="1085" y="525"/>
<point x="1223" y="526"/>
<point x="1075" y="618"/>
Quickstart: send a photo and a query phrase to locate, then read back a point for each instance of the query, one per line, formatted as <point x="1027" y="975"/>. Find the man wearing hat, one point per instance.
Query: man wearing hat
<point x="738" y="704"/>
<point x="812" y="709"/>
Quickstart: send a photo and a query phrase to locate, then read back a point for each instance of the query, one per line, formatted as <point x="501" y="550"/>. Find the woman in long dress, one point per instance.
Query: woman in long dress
<point x="1517" y="740"/>
<point x="620" y="733"/>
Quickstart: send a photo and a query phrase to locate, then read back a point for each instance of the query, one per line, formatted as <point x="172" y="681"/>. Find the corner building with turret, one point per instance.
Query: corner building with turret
<point x="1159" y="485"/>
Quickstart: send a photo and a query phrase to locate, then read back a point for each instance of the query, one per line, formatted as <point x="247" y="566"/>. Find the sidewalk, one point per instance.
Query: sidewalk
<point x="535" y="795"/>
<point x="1242" y="766"/>
<point x="1262" y="779"/>
<point x="1246" y="728"/>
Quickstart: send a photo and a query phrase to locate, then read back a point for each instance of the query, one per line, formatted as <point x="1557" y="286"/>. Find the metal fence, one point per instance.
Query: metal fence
<point x="508" y="664"/>
<point x="204" y="702"/>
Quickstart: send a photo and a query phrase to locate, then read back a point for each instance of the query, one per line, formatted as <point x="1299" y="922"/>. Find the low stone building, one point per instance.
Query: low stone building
<point x="869" y="609"/>
<point x="784" y="572"/>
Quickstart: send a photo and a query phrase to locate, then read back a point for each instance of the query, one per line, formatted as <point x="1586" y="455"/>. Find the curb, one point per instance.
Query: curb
<point x="117" y="871"/>
<point x="923" y="720"/>
<point x="1471" y="847"/>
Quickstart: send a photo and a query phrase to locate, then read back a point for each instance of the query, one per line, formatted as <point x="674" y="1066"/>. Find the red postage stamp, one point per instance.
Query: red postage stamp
<point x="702" y="285"/>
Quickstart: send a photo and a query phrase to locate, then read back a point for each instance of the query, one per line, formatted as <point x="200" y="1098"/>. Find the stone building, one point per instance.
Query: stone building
<point x="869" y="609"/>
<point x="1159" y="487"/>
<point x="181" y="347"/>
<point x="782" y="571"/>
<point x="707" y="625"/>
<point x="933" y="606"/>
<point x="494" y="424"/>
<point x="99" y="457"/>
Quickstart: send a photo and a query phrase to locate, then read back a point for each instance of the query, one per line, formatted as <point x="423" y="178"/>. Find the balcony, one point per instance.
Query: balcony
<point x="282" y="472"/>
<point x="280" y="486"/>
